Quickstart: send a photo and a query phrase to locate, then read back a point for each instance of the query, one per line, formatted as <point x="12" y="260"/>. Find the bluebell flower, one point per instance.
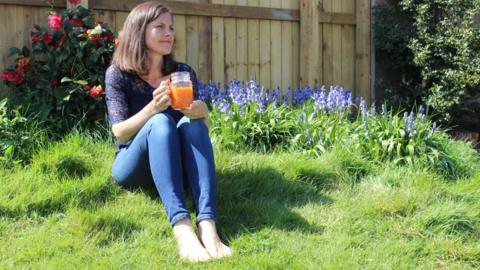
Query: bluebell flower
<point x="363" y="108"/>
<point x="286" y="98"/>
<point x="384" y="110"/>
<point x="320" y="100"/>
<point x="421" y="113"/>
<point x="431" y="131"/>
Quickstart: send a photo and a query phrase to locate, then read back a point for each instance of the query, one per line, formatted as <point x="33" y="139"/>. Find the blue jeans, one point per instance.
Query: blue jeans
<point x="162" y="153"/>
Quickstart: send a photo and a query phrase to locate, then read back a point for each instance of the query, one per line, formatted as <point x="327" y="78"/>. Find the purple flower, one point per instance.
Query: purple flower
<point x="363" y="108"/>
<point x="421" y="113"/>
<point x="384" y="110"/>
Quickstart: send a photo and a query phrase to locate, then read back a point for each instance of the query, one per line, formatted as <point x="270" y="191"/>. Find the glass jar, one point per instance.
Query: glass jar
<point x="181" y="90"/>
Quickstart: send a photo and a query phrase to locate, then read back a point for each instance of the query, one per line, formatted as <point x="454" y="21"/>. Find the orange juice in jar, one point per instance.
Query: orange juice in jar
<point x="181" y="90"/>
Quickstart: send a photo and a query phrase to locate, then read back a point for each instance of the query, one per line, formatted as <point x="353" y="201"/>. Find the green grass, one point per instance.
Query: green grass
<point x="277" y="211"/>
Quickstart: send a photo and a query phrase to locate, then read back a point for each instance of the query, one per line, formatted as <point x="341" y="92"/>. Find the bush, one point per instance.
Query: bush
<point x="61" y="79"/>
<point x="19" y="138"/>
<point x="446" y="47"/>
<point x="434" y="54"/>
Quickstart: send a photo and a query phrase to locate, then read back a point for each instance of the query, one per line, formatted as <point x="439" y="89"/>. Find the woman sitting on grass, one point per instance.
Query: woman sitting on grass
<point x="158" y="145"/>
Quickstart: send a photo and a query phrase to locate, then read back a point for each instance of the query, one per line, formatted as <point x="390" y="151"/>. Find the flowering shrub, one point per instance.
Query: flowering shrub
<point x="245" y="116"/>
<point x="61" y="78"/>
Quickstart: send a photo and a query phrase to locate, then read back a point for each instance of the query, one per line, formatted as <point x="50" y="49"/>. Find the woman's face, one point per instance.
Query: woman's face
<point x="159" y="35"/>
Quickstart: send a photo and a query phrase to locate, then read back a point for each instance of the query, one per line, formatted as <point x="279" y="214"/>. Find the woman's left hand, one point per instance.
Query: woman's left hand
<point x="197" y="110"/>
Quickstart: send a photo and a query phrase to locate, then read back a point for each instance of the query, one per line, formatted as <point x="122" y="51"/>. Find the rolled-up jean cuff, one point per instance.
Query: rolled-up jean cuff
<point x="206" y="216"/>
<point x="179" y="217"/>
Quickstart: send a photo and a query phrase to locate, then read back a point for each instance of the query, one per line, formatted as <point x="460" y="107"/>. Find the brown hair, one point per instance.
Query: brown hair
<point x="131" y="54"/>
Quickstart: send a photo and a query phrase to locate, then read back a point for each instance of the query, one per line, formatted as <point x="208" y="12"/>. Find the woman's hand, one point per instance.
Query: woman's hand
<point x="197" y="110"/>
<point x="161" y="97"/>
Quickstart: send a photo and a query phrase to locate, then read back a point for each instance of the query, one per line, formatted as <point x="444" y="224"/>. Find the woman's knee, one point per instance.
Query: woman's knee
<point x="161" y="123"/>
<point x="193" y="127"/>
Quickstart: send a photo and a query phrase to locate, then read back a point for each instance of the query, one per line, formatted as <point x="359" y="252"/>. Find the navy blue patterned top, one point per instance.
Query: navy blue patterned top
<point x="126" y="93"/>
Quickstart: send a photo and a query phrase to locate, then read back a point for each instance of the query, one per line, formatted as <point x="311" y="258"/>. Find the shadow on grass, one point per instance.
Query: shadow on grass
<point x="106" y="229"/>
<point x="250" y="200"/>
<point x="88" y="198"/>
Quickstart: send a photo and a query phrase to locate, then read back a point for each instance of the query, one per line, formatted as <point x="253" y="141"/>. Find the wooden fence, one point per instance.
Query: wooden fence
<point x="286" y="43"/>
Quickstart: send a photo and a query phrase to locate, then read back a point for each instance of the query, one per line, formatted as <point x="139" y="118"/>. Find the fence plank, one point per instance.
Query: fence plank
<point x="180" y="45"/>
<point x="319" y="54"/>
<point x="327" y="47"/>
<point x="348" y="49"/>
<point x="3" y="38"/>
<point x="218" y="49"/>
<point x="310" y="44"/>
<point x="253" y="52"/>
<point x="286" y="52"/>
<point x="295" y="40"/>
<point x="362" y="54"/>
<point x="193" y="47"/>
<point x="230" y="46"/>
<point x="337" y="47"/>
<point x="276" y="50"/>
<point x="205" y="47"/>
<point x="265" y="62"/>
<point x="242" y="45"/>
<point x="120" y="19"/>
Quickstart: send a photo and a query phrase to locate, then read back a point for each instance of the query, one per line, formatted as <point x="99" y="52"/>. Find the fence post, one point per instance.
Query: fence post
<point x="83" y="3"/>
<point x="310" y="65"/>
<point x="362" y="53"/>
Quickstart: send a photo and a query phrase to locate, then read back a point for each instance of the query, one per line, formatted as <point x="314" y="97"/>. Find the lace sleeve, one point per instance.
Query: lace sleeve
<point x="115" y="96"/>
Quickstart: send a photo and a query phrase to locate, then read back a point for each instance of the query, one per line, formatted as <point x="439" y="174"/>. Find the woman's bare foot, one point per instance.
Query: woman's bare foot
<point x="209" y="237"/>
<point x="189" y="246"/>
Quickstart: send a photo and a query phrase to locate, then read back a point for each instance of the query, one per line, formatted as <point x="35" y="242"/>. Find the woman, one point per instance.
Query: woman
<point x="157" y="144"/>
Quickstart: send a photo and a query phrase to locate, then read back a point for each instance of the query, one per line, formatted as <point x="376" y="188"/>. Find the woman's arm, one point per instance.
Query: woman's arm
<point x="126" y="129"/>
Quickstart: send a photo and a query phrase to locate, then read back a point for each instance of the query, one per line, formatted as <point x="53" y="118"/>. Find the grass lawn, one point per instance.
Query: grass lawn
<point x="277" y="211"/>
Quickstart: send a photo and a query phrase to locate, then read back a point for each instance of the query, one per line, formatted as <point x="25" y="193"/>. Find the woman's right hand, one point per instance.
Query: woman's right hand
<point x="161" y="97"/>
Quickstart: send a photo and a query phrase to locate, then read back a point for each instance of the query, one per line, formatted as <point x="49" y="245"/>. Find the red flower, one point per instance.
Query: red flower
<point x="76" y="22"/>
<point x="54" y="83"/>
<point x="96" y="39"/>
<point x="24" y="64"/>
<point x="14" y="77"/>
<point x="47" y="38"/>
<point x="55" y="21"/>
<point x="108" y="37"/>
<point x="86" y="88"/>
<point x="74" y="2"/>
<point x="96" y="91"/>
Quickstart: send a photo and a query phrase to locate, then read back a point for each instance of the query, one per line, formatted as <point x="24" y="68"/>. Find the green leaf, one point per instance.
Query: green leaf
<point x="82" y="82"/>
<point x="9" y="151"/>
<point x="66" y="79"/>
<point x="25" y="51"/>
